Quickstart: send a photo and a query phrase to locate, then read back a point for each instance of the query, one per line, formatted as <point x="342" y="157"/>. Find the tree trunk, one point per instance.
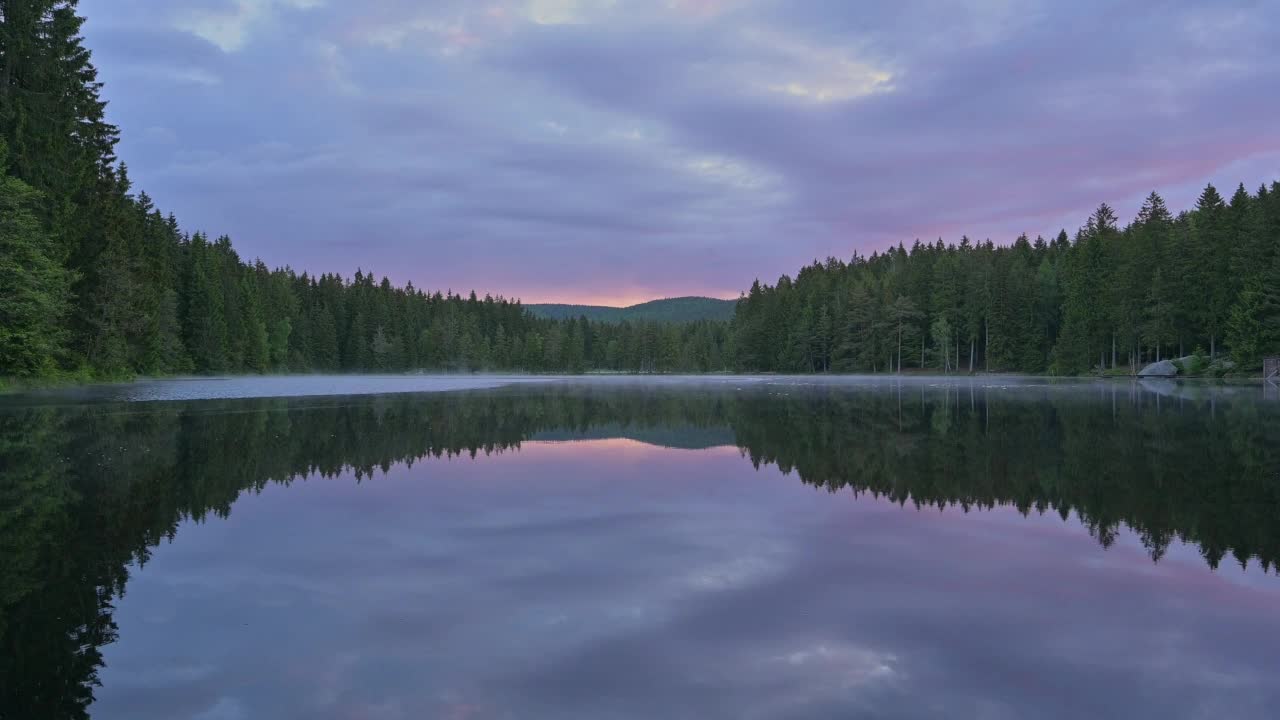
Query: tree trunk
<point x="6" y="70"/>
<point x="1113" y="351"/>
<point x="1213" y="346"/>
<point x="986" y="347"/>
<point x="899" y="349"/>
<point x="973" y="342"/>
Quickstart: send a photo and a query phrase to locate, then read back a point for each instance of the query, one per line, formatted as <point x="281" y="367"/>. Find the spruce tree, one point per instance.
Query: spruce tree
<point x="34" y="286"/>
<point x="1210" y="232"/>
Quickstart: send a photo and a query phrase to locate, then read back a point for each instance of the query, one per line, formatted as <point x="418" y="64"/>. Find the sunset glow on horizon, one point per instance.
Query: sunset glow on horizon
<point x="614" y="301"/>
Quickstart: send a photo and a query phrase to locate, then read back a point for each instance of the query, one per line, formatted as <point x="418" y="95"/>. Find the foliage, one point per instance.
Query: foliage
<point x="34" y="302"/>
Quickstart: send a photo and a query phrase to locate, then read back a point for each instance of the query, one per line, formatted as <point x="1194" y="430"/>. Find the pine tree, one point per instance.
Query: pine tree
<point x="52" y="116"/>
<point x="1210" y="233"/>
<point x="257" y="351"/>
<point x="940" y="331"/>
<point x="381" y="346"/>
<point x="858" y="350"/>
<point x="1158" y="329"/>
<point x="205" y="325"/>
<point x="324" y="339"/>
<point x="1245" y="325"/>
<point x="34" y="287"/>
<point x="1048" y="305"/>
<point x="903" y="315"/>
<point x="1253" y="325"/>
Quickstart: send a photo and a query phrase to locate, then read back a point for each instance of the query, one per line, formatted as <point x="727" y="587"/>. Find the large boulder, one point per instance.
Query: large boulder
<point x="1164" y="368"/>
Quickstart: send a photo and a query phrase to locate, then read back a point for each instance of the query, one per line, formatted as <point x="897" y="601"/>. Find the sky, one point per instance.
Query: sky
<point x="610" y="152"/>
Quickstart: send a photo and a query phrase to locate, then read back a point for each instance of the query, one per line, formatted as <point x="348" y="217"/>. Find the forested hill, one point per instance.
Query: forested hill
<point x="678" y="310"/>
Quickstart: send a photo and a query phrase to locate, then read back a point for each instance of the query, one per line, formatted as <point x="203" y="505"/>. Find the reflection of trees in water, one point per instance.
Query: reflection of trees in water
<point x="1168" y="474"/>
<point x="90" y="489"/>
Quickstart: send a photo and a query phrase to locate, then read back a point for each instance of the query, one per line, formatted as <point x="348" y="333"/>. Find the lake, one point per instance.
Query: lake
<point x="487" y="547"/>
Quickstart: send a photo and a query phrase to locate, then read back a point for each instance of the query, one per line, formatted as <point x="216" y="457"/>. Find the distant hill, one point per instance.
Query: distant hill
<point x="676" y="310"/>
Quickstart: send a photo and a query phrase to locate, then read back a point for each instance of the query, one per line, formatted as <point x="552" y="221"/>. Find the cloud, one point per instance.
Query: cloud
<point x="229" y="23"/>
<point x="785" y="65"/>
<point x="566" y="12"/>
<point x="683" y="146"/>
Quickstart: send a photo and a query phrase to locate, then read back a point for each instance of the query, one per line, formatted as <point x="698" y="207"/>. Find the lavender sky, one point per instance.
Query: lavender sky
<point x="612" y="151"/>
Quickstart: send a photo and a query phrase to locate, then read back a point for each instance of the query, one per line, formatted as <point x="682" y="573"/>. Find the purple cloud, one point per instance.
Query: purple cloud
<point x="593" y="150"/>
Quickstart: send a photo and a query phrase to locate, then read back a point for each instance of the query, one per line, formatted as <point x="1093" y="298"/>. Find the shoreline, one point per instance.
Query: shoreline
<point x="9" y="386"/>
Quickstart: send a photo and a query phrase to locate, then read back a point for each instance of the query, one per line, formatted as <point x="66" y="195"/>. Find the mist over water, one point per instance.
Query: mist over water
<point x="640" y="547"/>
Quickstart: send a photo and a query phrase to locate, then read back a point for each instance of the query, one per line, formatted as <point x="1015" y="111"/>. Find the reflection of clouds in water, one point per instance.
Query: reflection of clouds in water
<point x="734" y="573"/>
<point x="545" y="584"/>
<point x="668" y="564"/>
<point x="823" y="674"/>
<point x="496" y="572"/>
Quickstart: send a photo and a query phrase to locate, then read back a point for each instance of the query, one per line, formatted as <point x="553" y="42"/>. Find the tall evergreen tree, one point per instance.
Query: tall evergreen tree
<point x="34" y="287"/>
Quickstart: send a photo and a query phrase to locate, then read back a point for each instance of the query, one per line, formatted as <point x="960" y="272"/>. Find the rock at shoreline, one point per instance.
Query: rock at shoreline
<point x="1164" y="368"/>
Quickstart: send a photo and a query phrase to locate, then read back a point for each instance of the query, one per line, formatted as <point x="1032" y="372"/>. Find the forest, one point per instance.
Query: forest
<point x="97" y="282"/>
<point x="1111" y="298"/>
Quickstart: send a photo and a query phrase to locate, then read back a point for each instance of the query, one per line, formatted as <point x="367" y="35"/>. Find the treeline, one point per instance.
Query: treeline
<point x="96" y="281"/>
<point x="1162" y="286"/>
<point x="237" y="317"/>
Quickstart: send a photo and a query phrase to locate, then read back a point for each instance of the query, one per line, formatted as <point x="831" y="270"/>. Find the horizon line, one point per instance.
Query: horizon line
<point x="627" y="303"/>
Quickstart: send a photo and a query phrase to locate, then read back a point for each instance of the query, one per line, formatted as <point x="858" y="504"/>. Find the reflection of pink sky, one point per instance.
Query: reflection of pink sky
<point x="590" y="465"/>
<point x="616" y="448"/>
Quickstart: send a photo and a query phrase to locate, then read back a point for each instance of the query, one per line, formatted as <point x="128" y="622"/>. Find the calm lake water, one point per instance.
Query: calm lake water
<point x="386" y="548"/>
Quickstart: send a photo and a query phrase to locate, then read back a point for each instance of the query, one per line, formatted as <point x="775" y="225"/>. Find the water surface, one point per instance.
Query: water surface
<point x="631" y="548"/>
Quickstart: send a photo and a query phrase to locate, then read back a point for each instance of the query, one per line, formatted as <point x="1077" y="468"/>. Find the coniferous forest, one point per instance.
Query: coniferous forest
<point x="95" y="281"/>
<point x="1164" y="286"/>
